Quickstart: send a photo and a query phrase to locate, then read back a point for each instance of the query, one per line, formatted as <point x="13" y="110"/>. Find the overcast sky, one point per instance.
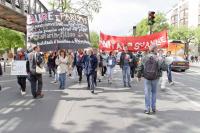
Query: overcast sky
<point x="117" y="17"/>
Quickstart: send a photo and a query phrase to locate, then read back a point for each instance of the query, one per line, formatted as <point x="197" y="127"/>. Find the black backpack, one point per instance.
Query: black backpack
<point x="151" y="68"/>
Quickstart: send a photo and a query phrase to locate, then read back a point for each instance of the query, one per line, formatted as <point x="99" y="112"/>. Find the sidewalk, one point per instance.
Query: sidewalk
<point x="195" y="64"/>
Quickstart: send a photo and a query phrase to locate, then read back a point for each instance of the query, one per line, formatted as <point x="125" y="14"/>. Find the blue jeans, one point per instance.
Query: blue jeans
<point x="169" y="73"/>
<point x="62" y="78"/>
<point x="126" y="74"/>
<point x="150" y="90"/>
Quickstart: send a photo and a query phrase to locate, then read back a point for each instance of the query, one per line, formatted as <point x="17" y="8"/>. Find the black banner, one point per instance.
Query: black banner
<point x="56" y="30"/>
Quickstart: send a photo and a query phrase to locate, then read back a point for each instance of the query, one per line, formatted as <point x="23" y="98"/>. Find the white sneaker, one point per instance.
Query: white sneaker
<point x="23" y="93"/>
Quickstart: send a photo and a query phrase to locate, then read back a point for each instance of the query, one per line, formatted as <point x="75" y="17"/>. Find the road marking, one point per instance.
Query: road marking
<point x="5" y="88"/>
<point x="185" y="98"/>
<point x="4" y="81"/>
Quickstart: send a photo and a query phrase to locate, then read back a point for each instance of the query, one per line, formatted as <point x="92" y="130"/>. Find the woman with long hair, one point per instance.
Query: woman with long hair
<point x="61" y="61"/>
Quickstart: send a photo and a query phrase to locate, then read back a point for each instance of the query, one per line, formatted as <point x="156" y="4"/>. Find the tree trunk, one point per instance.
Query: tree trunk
<point x="186" y="51"/>
<point x="199" y="49"/>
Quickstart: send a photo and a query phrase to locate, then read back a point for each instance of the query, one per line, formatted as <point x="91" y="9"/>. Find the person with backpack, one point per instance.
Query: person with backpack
<point x="35" y="60"/>
<point x="151" y="69"/>
<point x="125" y="61"/>
<point x="79" y="63"/>
<point x="111" y="62"/>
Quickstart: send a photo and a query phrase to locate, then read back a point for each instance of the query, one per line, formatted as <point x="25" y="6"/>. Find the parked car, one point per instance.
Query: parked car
<point x="180" y="64"/>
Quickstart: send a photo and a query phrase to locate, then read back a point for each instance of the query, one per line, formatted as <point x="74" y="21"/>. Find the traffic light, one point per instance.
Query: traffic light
<point x="151" y="17"/>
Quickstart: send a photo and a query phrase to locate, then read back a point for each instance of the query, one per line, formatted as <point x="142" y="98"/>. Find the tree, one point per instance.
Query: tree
<point x="84" y="7"/>
<point x="94" y="39"/>
<point x="11" y="39"/>
<point x="197" y="38"/>
<point x="184" y="34"/>
<point x="159" y="25"/>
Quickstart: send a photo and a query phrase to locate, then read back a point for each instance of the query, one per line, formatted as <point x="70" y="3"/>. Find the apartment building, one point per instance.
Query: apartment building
<point x="186" y="13"/>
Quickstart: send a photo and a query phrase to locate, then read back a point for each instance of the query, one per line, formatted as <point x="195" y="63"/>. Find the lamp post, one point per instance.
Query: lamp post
<point x="134" y="30"/>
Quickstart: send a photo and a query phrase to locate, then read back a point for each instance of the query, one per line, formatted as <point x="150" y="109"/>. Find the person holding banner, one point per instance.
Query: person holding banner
<point x="35" y="61"/>
<point x="125" y="61"/>
<point x="21" y="79"/>
<point x="62" y="68"/>
<point x="111" y="62"/>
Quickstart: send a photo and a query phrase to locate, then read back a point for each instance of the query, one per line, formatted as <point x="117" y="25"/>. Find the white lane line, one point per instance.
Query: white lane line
<point x="4" y="81"/>
<point x="5" y="88"/>
<point x="185" y="98"/>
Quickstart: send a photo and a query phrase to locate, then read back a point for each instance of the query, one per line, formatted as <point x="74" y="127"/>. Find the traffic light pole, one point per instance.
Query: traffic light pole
<point x="151" y="29"/>
<point x="134" y="30"/>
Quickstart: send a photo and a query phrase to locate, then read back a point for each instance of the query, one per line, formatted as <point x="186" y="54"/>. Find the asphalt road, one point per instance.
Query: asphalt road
<point x="112" y="109"/>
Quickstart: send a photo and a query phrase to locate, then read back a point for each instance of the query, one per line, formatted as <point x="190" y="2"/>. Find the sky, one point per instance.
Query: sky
<point x="117" y="17"/>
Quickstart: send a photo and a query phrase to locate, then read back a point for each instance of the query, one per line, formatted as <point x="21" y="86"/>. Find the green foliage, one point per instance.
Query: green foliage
<point x="94" y="38"/>
<point x="84" y="7"/>
<point x="159" y="25"/>
<point x="185" y="34"/>
<point x="197" y="35"/>
<point x="142" y="28"/>
<point x="10" y="39"/>
<point x="182" y="33"/>
<point x="197" y="38"/>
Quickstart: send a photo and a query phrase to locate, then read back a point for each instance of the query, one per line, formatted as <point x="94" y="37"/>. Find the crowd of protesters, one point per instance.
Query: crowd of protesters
<point x="95" y="65"/>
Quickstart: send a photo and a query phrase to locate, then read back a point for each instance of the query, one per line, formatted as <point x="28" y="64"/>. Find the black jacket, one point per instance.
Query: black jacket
<point x="132" y="64"/>
<point x="1" y="71"/>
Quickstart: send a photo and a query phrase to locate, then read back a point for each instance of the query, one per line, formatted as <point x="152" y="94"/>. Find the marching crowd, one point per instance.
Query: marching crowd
<point x="94" y="65"/>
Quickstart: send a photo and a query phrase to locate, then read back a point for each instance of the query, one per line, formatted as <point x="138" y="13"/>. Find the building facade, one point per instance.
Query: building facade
<point x="186" y="13"/>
